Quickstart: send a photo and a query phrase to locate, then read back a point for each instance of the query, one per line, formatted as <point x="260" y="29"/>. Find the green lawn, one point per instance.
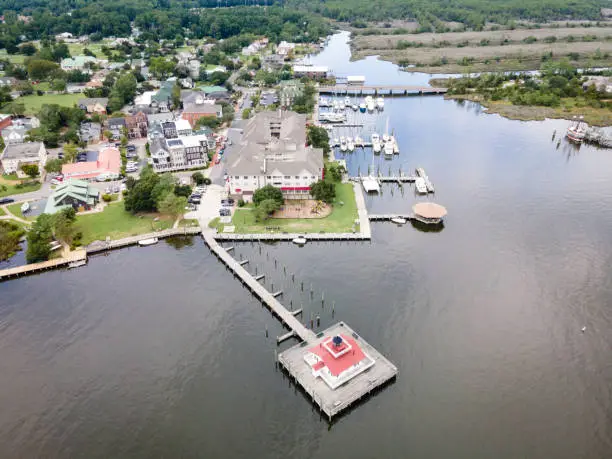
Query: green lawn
<point x="116" y="223"/>
<point x="12" y="58"/>
<point x="33" y="103"/>
<point x="12" y="189"/>
<point x="76" y="49"/>
<point x="15" y="209"/>
<point x="43" y="86"/>
<point x="2" y="212"/>
<point x="341" y="220"/>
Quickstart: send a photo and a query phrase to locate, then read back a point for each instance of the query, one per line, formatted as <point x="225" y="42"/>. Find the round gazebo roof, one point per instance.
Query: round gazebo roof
<point x="429" y="210"/>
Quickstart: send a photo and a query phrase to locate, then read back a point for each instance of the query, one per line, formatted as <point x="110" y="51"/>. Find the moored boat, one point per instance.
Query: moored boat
<point x="388" y="149"/>
<point x="369" y="103"/>
<point x="420" y="185"/>
<point x="343" y="145"/>
<point x="362" y="107"/>
<point x="376" y="147"/>
<point x="398" y="220"/>
<point x="148" y="241"/>
<point x="25" y="207"/>
<point x="380" y="103"/>
<point x="350" y="145"/>
<point x="300" y="240"/>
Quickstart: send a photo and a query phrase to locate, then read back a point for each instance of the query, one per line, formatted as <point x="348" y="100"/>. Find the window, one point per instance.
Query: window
<point x="287" y="177"/>
<point x="313" y="177"/>
<point x="246" y="177"/>
<point x="269" y="177"/>
<point x="236" y="177"/>
<point x="297" y="177"/>
<point x="305" y="177"/>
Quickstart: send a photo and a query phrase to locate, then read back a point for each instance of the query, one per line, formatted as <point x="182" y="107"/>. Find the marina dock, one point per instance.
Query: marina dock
<point x="388" y="90"/>
<point x="103" y="246"/>
<point x="333" y="401"/>
<point x="32" y="268"/>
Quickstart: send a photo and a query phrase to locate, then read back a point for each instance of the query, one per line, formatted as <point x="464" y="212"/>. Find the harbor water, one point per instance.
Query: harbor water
<point x="500" y="323"/>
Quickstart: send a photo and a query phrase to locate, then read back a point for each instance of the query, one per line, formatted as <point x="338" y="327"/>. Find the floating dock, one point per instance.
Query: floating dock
<point x="388" y="90"/>
<point x="354" y="385"/>
<point x="75" y="256"/>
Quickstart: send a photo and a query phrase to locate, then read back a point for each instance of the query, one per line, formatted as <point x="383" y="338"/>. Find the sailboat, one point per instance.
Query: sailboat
<point x="343" y="145"/>
<point x="369" y="103"/>
<point x="350" y="144"/>
<point x="334" y="105"/>
<point x="347" y="101"/>
<point x="395" y="145"/>
<point x="362" y="107"/>
<point x="388" y="148"/>
<point x="358" y="141"/>
<point x="354" y="107"/>
<point x="341" y="105"/>
<point x="380" y="103"/>
<point x="376" y="147"/>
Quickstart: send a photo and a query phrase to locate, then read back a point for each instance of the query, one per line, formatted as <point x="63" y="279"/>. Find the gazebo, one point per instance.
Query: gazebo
<point x="429" y="212"/>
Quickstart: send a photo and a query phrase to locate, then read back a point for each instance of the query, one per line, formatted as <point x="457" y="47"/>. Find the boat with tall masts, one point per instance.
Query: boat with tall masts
<point x="350" y="145"/>
<point x="376" y="147"/>
<point x="369" y="103"/>
<point x="380" y="103"/>
<point x="362" y="107"/>
<point x="388" y="148"/>
<point x="343" y="145"/>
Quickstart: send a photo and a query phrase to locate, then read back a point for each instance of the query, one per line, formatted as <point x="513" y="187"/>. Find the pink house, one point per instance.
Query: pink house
<point x="108" y="164"/>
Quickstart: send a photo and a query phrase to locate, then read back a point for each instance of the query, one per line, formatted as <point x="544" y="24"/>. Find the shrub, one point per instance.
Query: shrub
<point x="107" y="198"/>
<point x="241" y="202"/>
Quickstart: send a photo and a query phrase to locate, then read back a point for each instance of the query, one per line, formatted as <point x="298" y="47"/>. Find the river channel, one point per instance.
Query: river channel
<point x="160" y="352"/>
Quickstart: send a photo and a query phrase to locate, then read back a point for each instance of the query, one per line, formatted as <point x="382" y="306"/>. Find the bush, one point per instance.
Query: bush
<point x="266" y="193"/>
<point x="207" y="181"/>
<point x="323" y="191"/>
<point x="107" y="198"/>
<point x="198" y="178"/>
<point x="241" y="202"/>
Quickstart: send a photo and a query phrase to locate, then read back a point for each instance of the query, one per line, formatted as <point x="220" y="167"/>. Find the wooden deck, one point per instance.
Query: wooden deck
<point x="389" y="90"/>
<point x="254" y="286"/>
<point x="102" y="246"/>
<point x="17" y="271"/>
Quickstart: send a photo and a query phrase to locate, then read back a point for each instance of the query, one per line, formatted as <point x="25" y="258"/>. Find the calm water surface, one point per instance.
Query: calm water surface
<point x="159" y="351"/>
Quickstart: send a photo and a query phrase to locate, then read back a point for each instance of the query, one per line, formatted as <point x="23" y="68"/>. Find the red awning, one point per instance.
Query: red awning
<point x="295" y="188"/>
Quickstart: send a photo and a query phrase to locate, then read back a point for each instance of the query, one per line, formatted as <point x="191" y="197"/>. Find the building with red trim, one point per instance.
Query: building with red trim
<point x="273" y="151"/>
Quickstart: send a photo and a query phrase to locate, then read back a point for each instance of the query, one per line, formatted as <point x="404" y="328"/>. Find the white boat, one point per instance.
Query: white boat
<point x="354" y="107"/>
<point x="385" y="137"/>
<point x="300" y="240"/>
<point x="358" y="141"/>
<point x="335" y="105"/>
<point x="335" y="142"/>
<point x="347" y="101"/>
<point x="149" y="241"/>
<point x="380" y="103"/>
<point x="343" y="145"/>
<point x="577" y="131"/>
<point x="420" y="185"/>
<point x="362" y="107"/>
<point x="25" y="207"/>
<point x="395" y="145"/>
<point x="388" y="149"/>
<point x="341" y="106"/>
<point x="369" y="103"/>
<point x="376" y="143"/>
<point x="350" y="144"/>
<point x="398" y="220"/>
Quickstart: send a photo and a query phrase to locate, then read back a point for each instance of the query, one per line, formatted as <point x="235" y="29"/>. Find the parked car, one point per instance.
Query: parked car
<point x="6" y="200"/>
<point x="55" y="181"/>
<point x="218" y="160"/>
<point x="130" y="147"/>
<point x="228" y="201"/>
<point x="224" y="212"/>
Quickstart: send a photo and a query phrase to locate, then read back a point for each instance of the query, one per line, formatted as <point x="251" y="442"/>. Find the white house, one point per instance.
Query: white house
<point x="273" y="152"/>
<point x="15" y="156"/>
<point x="77" y="62"/>
<point x="284" y="48"/>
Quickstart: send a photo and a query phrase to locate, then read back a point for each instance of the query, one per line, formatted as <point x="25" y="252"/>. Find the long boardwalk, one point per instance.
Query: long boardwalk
<point x="266" y="297"/>
<point x="74" y="256"/>
<point x="390" y="90"/>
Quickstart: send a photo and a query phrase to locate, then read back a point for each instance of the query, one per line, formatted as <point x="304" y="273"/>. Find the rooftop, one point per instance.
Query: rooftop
<point x="109" y="160"/>
<point x="23" y="150"/>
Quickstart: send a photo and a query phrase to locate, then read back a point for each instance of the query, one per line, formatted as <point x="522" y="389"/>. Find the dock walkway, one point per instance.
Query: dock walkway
<point x="74" y="256"/>
<point x="102" y="246"/>
<point x="390" y="90"/>
<point x="266" y="297"/>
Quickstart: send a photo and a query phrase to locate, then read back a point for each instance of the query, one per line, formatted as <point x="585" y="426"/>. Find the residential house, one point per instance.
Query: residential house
<point x="273" y="61"/>
<point x="216" y="93"/>
<point x="310" y="71"/>
<point x="193" y="112"/>
<point x="162" y="99"/>
<point x="136" y="125"/>
<point x="107" y="165"/>
<point x="5" y="121"/>
<point x="193" y="67"/>
<point x="77" y="63"/>
<point x="284" y="48"/>
<point x="93" y="105"/>
<point x="73" y="193"/>
<point x="179" y="153"/>
<point x="90" y="132"/>
<point x="116" y="127"/>
<point x="601" y="83"/>
<point x="62" y="36"/>
<point x="14" y="134"/>
<point x="15" y="156"/>
<point x="75" y="88"/>
<point x="273" y="151"/>
<point x="217" y="68"/>
<point x="7" y="81"/>
<point x="178" y="128"/>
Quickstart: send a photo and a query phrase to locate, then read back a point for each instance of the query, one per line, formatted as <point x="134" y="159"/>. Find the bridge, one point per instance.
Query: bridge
<point x="388" y="90"/>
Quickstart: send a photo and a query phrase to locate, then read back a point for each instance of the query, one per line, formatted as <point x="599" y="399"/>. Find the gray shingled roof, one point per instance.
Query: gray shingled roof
<point x="22" y="150"/>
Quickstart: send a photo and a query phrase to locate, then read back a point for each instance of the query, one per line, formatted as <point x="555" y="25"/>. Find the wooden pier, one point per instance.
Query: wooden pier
<point x="102" y="246"/>
<point x="388" y="90"/>
<point x="267" y="298"/>
<point x="32" y="268"/>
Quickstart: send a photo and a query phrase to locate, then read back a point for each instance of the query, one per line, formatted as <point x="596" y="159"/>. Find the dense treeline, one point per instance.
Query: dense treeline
<point x="156" y="20"/>
<point x="472" y="13"/>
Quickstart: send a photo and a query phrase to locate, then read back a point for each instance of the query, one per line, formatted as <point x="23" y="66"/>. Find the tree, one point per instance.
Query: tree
<point x="334" y="171"/>
<point x="54" y="165"/>
<point x="266" y="208"/>
<point x="246" y="113"/>
<point x="323" y="191"/>
<point x="60" y="52"/>
<point x="63" y="225"/>
<point x="268" y="192"/>
<point x="16" y="108"/>
<point x="140" y="198"/>
<point x="198" y="178"/>
<point x="31" y="170"/>
<point x="318" y="138"/>
<point x="39" y="69"/>
<point x="161" y="68"/>
<point x="70" y="152"/>
<point x="58" y="85"/>
<point x="182" y="190"/>
<point x="39" y="238"/>
<point x="29" y="49"/>
<point x="176" y="95"/>
<point x="172" y="205"/>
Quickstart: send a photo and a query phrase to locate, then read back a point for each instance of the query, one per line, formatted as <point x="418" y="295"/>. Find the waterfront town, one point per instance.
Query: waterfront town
<point x="114" y="141"/>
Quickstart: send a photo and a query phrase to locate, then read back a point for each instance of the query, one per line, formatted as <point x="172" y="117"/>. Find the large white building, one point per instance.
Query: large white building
<point x="15" y="156"/>
<point x="179" y="153"/>
<point x="273" y="151"/>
